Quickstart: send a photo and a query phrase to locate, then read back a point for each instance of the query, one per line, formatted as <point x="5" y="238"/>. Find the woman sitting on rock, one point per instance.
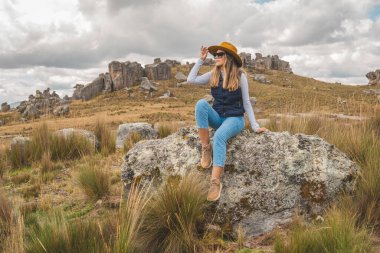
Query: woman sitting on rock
<point x="229" y="88"/>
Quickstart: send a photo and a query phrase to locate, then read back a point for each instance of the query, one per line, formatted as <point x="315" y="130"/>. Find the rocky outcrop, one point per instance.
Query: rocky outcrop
<point x="124" y="74"/>
<point x="267" y="176"/>
<point x="265" y="63"/>
<point x="145" y="131"/>
<point x="172" y="63"/>
<point x="61" y="110"/>
<point x="5" y="107"/>
<point x="261" y="78"/>
<point x="373" y="77"/>
<point x="146" y="85"/>
<point x="41" y="103"/>
<point x="158" y="71"/>
<point x="93" y="89"/>
<point x="179" y="76"/>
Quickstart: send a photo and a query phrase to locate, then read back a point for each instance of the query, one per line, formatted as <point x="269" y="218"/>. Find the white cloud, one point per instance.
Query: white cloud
<point x="63" y="42"/>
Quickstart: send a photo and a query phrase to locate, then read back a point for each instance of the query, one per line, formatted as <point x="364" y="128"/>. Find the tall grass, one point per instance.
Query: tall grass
<point x="20" y="155"/>
<point x="131" y="140"/>
<point x="43" y="142"/>
<point x="57" y="234"/>
<point x="94" y="181"/>
<point x="107" y="140"/>
<point x="174" y="215"/>
<point x="131" y="217"/>
<point x="338" y="233"/>
<point x="11" y="227"/>
<point x="71" y="147"/>
<point x="165" y="129"/>
<point x="3" y="162"/>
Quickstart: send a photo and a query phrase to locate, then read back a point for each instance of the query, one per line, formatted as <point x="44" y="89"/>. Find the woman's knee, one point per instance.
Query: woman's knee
<point x="201" y="103"/>
<point x="219" y="136"/>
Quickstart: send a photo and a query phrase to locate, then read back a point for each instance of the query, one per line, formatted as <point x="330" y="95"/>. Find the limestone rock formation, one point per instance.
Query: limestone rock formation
<point x="145" y="131"/>
<point x="61" y="110"/>
<point x="265" y="63"/>
<point x="5" y="107"/>
<point x="158" y="71"/>
<point x="93" y="89"/>
<point x="172" y="63"/>
<point x="373" y="77"/>
<point x="124" y="74"/>
<point x="267" y="176"/>
<point x="41" y="103"/>
<point x="147" y="85"/>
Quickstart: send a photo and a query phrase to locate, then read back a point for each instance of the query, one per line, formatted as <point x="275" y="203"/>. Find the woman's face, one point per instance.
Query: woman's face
<point x="220" y="61"/>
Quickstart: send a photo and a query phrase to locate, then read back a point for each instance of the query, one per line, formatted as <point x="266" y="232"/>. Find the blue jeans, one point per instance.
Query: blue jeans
<point x="226" y="127"/>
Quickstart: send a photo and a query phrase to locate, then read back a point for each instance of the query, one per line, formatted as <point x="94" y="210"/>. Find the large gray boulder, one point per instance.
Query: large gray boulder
<point x="267" y="176"/>
<point x="145" y="131"/>
<point x="66" y="132"/>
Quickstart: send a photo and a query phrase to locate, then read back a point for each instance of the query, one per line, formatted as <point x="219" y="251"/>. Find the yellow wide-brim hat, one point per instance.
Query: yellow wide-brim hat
<point x="228" y="48"/>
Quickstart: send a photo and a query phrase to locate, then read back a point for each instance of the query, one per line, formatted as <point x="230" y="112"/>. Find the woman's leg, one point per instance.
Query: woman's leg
<point x="230" y="127"/>
<point x="206" y="116"/>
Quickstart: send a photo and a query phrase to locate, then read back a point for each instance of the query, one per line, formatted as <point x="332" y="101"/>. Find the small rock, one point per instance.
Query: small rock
<point x="145" y="130"/>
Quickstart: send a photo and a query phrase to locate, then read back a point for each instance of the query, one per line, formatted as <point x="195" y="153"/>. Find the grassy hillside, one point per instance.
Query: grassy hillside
<point x="76" y="185"/>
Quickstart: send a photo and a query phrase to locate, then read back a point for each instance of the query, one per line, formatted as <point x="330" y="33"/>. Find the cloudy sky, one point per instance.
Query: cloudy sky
<point x="58" y="43"/>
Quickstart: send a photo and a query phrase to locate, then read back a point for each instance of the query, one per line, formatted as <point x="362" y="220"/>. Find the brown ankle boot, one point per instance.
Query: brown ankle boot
<point x="215" y="190"/>
<point x="206" y="160"/>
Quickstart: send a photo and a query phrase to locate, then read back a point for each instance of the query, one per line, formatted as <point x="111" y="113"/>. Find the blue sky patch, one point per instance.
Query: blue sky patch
<point x="262" y="1"/>
<point x="374" y="12"/>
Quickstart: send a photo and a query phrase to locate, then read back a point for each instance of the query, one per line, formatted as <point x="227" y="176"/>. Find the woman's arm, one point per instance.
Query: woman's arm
<point x="247" y="102"/>
<point x="194" y="79"/>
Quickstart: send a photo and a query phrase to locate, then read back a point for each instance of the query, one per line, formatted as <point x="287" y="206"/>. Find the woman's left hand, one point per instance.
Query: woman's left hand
<point x="262" y="129"/>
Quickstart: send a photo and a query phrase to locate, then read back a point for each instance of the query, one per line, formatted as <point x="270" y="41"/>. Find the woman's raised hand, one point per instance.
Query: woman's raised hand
<point x="204" y="52"/>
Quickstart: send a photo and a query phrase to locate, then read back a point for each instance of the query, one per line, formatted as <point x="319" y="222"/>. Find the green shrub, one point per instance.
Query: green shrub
<point x="20" y="155"/>
<point x="337" y="233"/>
<point x="94" y="181"/>
<point x="107" y="141"/>
<point x="130" y="218"/>
<point x="174" y="215"/>
<point x="57" y="234"/>
<point x="132" y="139"/>
<point x="70" y="147"/>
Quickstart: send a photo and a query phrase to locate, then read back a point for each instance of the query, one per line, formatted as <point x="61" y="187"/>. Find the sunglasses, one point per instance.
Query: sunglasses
<point x="219" y="55"/>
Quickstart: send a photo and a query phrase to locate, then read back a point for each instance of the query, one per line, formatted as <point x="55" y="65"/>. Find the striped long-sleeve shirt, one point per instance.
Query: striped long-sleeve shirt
<point x="193" y="78"/>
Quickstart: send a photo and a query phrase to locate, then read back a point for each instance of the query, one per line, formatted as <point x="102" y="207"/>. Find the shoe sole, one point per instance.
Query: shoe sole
<point x="220" y="190"/>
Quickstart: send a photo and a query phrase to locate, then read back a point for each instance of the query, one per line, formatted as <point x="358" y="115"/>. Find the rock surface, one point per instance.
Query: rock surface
<point x="41" y="103"/>
<point x="5" y="107"/>
<point x="373" y="77"/>
<point x="265" y="63"/>
<point x="124" y="74"/>
<point x="85" y="133"/>
<point x="267" y="176"/>
<point x="145" y="130"/>
<point x="158" y="71"/>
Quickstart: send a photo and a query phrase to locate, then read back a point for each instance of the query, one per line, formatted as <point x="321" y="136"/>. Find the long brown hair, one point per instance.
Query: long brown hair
<point x="232" y="74"/>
